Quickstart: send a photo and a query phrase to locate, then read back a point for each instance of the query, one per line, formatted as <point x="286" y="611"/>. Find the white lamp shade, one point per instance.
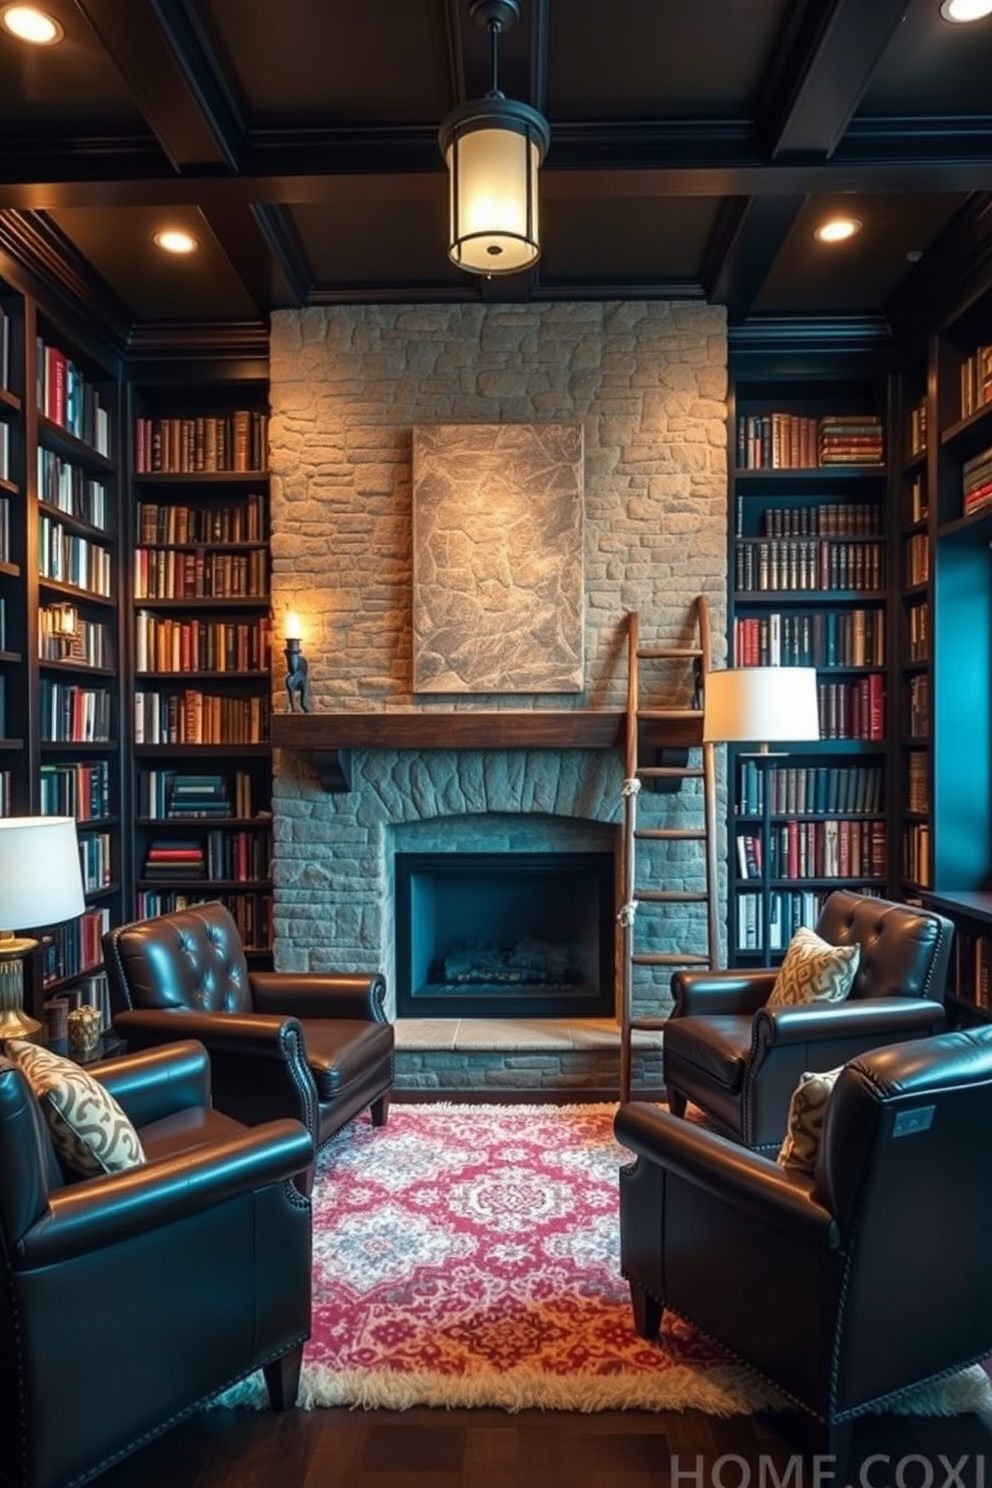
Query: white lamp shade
<point x="493" y="200"/>
<point x="761" y="705"/>
<point x="40" y="878"/>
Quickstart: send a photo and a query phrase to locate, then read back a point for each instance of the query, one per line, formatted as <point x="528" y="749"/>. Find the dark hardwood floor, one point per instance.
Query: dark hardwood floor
<point x="423" y="1448"/>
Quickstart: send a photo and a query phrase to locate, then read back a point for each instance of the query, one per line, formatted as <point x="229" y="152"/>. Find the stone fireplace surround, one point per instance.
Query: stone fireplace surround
<point x="648" y="382"/>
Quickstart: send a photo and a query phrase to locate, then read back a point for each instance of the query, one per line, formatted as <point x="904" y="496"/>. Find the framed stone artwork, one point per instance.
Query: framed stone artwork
<point x="497" y="558"/>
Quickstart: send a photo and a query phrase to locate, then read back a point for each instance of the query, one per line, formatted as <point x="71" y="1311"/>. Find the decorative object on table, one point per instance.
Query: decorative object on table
<point x="85" y="1025"/>
<point x="56" y="1010"/>
<point x="493" y="148"/>
<point x="297" y="667"/>
<point x="498" y="593"/>
<point x="40" y="884"/>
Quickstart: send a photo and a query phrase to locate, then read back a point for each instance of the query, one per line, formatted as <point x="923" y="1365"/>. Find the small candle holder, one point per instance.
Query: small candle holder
<point x="297" y="675"/>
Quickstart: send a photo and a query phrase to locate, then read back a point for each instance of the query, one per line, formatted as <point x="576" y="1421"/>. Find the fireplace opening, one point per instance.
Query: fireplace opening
<point x="504" y="935"/>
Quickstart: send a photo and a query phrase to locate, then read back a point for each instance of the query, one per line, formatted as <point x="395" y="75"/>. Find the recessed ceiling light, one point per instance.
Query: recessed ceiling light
<point x="175" y="240"/>
<point x="837" y="229"/>
<point x="28" y="23"/>
<point x="963" y="11"/>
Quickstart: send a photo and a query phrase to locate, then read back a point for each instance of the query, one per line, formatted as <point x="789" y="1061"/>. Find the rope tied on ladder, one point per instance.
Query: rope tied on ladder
<point x="630" y="788"/>
<point x="626" y="913"/>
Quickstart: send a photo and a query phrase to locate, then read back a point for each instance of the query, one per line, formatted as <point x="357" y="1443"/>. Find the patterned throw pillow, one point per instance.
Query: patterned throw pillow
<point x="805" y="1126"/>
<point x="814" y="971"/>
<point x="88" y="1128"/>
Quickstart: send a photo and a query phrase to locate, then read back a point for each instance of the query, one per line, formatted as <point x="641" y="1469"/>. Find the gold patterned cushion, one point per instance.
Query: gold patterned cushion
<point x="90" y="1132"/>
<point x="805" y="1126"/>
<point x="814" y="971"/>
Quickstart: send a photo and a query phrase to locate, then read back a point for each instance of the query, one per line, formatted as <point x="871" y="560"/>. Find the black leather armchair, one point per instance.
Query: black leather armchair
<point x="312" y="1045"/>
<point x="845" y="1288"/>
<point x="740" y="1061"/>
<point x="129" y="1299"/>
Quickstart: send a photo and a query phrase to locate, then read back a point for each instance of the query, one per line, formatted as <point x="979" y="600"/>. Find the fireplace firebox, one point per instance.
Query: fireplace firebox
<point x="504" y="935"/>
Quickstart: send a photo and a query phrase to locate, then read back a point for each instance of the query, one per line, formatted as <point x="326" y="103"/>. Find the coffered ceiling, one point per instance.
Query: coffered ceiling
<point x="695" y="145"/>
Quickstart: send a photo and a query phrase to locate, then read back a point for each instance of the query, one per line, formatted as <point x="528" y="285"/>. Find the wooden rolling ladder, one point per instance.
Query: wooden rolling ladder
<point x="665" y="727"/>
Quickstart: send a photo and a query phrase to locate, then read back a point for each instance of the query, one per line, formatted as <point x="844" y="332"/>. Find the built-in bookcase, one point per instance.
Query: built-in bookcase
<point x="914" y="422"/>
<point x="809" y="574"/>
<point x="201" y="646"/>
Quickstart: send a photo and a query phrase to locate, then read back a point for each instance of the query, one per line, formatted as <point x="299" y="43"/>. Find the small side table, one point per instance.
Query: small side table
<point x="111" y="1046"/>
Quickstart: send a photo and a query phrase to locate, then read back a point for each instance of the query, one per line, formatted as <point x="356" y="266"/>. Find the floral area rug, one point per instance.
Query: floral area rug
<point x="470" y="1256"/>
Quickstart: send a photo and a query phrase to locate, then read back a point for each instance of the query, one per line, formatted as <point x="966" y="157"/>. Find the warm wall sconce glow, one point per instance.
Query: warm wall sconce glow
<point x="837" y="230"/>
<point x="493" y="148"/>
<point x="174" y="240"/>
<point x="962" y="11"/>
<point x="29" y="24"/>
<point x="293" y="628"/>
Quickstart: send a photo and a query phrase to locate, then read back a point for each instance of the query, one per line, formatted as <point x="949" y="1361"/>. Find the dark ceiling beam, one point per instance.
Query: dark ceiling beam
<point x="744" y="243"/>
<point x="288" y="254"/>
<point x="159" y="50"/>
<point x="61" y="276"/>
<point x="955" y="268"/>
<point x="456" y="51"/>
<point x="822" y="72"/>
<point x="539" y="33"/>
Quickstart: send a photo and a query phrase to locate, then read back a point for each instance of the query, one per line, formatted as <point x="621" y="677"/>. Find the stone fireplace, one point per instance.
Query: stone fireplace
<point x="647" y="384"/>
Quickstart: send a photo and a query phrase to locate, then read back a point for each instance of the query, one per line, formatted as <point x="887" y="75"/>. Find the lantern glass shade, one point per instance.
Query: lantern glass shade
<point x="492" y="195"/>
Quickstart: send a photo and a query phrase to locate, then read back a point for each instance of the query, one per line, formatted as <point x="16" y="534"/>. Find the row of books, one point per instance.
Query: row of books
<point x="252" y="912"/>
<point x="788" y="909"/>
<point x="172" y="523"/>
<point x="202" y="444"/>
<point x="826" y="639"/>
<point x="918" y="428"/>
<point x="87" y="643"/>
<point x="918" y="781"/>
<point x="799" y="564"/>
<point x="918" y="631"/>
<point x="827" y="519"/>
<point x="916" y="853"/>
<point x="70" y="400"/>
<point x="791" y="441"/>
<point x="844" y="847"/>
<point x="976" y="380"/>
<point x="5" y="553"/>
<point x="918" y="702"/>
<point x="800" y="790"/>
<point x="4" y="349"/>
<point x="171" y="573"/>
<point x="972" y="958"/>
<point x="6" y="793"/>
<point x="70" y="559"/>
<point x="69" y="489"/>
<point x="976" y="480"/>
<point x="194" y="717"/>
<point x="95" y="859"/>
<point x="917" y="558"/>
<point x="71" y="714"/>
<point x="79" y="789"/>
<point x="173" y="795"/>
<point x="919" y="507"/>
<point x="76" y="946"/>
<point x="166" y="645"/>
<point x="238" y="855"/>
<point x="4" y="450"/>
<point x="853" y="710"/>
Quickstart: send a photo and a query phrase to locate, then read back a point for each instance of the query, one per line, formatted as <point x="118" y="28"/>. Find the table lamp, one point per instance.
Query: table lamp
<point x="40" y="884"/>
<point x="760" y="705"/>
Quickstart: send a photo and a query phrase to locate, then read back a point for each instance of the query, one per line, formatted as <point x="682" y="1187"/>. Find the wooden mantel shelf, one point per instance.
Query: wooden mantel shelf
<point x="330" y="737"/>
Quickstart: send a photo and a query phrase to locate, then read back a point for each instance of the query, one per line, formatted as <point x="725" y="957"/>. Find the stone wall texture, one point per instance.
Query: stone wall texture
<point x="647" y="383"/>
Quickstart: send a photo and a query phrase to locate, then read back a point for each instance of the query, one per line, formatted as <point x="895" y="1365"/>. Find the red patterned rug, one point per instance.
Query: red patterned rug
<point x="469" y="1256"/>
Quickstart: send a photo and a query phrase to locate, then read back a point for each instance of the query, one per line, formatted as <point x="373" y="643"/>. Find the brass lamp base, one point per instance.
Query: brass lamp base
<point x="14" y="1021"/>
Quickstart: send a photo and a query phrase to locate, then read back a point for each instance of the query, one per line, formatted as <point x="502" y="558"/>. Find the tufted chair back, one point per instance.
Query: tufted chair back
<point x="190" y="959"/>
<point x="905" y="952"/>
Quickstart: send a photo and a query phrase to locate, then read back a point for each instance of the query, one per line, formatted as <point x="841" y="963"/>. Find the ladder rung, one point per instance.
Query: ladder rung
<point x="667" y="653"/>
<point x="672" y="834"/>
<point x="648" y="1025"/>
<point x="670" y="896"/>
<point x="666" y="958"/>
<point x="668" y="772"/>
<point x="660" y="715"/>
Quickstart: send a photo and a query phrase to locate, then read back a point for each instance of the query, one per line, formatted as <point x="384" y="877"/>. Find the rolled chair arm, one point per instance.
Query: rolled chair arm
<point x="158" y="1082"/>
<point x="102" y="1211"/>
<point x="873" y="1017"/>
<point x="316" y="994"/>
<point x="745" y="1179"/>
<point x="228" y="1033"/>
<point x="712" y="993"/>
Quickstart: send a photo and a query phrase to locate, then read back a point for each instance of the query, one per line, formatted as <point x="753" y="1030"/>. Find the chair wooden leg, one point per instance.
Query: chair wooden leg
<point x="282" y="1378"/>
<point x="379" y="1109"/>
<point x="677" y="1103"/>
<point x="647" y="1312"/>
